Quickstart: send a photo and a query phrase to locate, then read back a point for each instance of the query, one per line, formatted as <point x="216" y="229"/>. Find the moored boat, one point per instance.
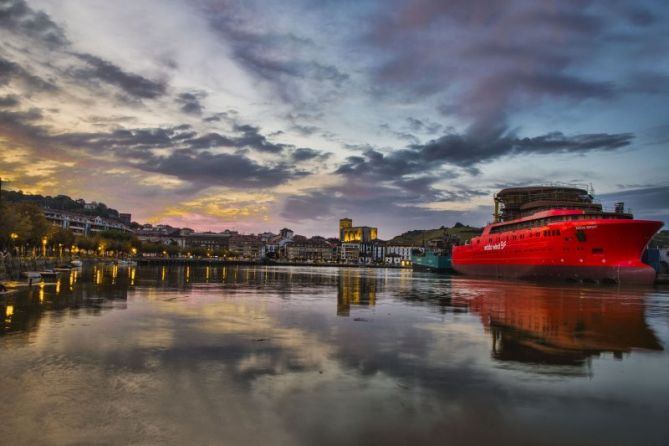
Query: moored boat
<point x="558" y="233"/>
<point x="433" y="261"/>
<point x="49" y="274"/>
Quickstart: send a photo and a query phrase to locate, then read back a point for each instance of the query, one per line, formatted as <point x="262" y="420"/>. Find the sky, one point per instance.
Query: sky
<point x="257" y="115"/>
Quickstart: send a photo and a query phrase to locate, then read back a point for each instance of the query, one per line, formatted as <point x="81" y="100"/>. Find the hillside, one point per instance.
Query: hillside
<point x="661" y="239"/>
<point x="419" y="236"/>
<point x="62" y="202"/>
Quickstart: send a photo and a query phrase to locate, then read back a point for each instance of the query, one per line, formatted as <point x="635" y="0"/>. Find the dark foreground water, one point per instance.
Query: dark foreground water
<point x="320" y="356"/>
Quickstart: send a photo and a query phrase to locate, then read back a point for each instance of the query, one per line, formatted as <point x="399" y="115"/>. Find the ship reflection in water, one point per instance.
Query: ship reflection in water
<point x="534" y="324"/>
<point x="281" y="355"/>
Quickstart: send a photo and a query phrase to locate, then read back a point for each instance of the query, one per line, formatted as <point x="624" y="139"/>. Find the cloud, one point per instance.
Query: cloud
<point x="11" y="71"/>
<point x="132" y="84"/>
<point x="288" y="62"/>
<point x="190" y="102"/>
<point x="306" y="154"/>
<point x="251" y="137"/>
<point x="17" y="16"/>
<point x="232" y="170"/>
<point x="8" y="101"/>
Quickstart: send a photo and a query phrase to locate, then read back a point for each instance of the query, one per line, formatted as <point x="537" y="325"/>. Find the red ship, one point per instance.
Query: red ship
<point x="549" y="232"/>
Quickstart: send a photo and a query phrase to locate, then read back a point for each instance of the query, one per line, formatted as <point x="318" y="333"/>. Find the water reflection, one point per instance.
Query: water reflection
<point x="563" y="326"/>
<point x="72" y="291"/>
<point x="329" y="356"/>
<point x="354" y="288"/>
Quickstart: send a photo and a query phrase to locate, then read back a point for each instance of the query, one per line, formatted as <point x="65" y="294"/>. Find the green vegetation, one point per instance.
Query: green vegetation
<point x="661" y="239"/>
<point x="420" y="236"/>
<point x="62" y="202"/>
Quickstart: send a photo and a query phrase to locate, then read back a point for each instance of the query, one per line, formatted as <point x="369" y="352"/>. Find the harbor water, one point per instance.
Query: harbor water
<point x="260" y="355"/>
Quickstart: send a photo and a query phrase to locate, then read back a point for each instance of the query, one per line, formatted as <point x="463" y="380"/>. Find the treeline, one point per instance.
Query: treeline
<point x="24" y="231"/>
<point x="62" y="202"/>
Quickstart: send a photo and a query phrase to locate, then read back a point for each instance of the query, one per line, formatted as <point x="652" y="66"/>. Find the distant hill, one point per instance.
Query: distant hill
<point x="62" y="202"/>
<point x="419" y="236"/>
<point x="660" y="239"/>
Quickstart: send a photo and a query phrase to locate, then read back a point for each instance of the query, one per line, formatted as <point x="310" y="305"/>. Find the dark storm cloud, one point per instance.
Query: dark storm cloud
<point x="232" y="170"/>
<point x="17" y="16"/>
<point x="182" y="136"/>
<point x="132" y="84"/>
<point x="190" y="102"/>
<point x="467" y="150"/>
<point x="186" y="159"/>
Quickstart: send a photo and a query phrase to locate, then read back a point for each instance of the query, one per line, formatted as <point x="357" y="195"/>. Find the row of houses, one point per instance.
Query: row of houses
<point x="285" y="245"/>
<point x="81" y="224"/>
<point x="355" y="245"/>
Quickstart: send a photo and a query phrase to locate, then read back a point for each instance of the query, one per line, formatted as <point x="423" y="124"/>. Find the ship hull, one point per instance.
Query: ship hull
<point x="637" y="275"/>
<point x="595" y="250"/>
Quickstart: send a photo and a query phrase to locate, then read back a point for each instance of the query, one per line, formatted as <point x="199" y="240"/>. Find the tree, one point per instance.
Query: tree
<point x="39" y="225"/>
<point x="15" y="228"/>
<point x="60" y="237"/>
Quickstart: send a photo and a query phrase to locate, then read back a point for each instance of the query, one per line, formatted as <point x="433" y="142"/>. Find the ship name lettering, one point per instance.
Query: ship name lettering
<point x="496" y="247"/>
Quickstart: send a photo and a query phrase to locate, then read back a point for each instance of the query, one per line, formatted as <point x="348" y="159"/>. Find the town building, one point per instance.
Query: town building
<point x="350" y="233"/>
<point x="399" y="254"/>
<point x="316" y="249"/>
<point x="163" y="234"/>
<point x="245" y="246"/>
<point x="207" y="240"/>
<point x="82" y="224"/>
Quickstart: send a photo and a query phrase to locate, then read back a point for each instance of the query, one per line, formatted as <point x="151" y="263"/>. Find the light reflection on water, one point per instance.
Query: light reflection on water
<point x="281" y="355"/>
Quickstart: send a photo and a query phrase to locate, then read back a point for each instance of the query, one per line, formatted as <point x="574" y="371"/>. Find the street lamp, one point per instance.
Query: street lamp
<point x="13" y="237"/>
<point x="44" y="240"/>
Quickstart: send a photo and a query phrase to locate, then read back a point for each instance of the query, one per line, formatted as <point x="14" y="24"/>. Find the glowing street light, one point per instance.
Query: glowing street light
<point x="44" y="241"/>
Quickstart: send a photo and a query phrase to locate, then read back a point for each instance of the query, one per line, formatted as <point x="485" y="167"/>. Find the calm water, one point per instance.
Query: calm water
<point x="319" y="356"/>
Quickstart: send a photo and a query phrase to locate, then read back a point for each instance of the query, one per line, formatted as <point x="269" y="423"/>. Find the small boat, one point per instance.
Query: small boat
<point x="432" y="261"/>
<point x="76" y="263"/>
<point x="31" y="274"/>
<point x="49" y="274"/>
<point x="64" y="268"/>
